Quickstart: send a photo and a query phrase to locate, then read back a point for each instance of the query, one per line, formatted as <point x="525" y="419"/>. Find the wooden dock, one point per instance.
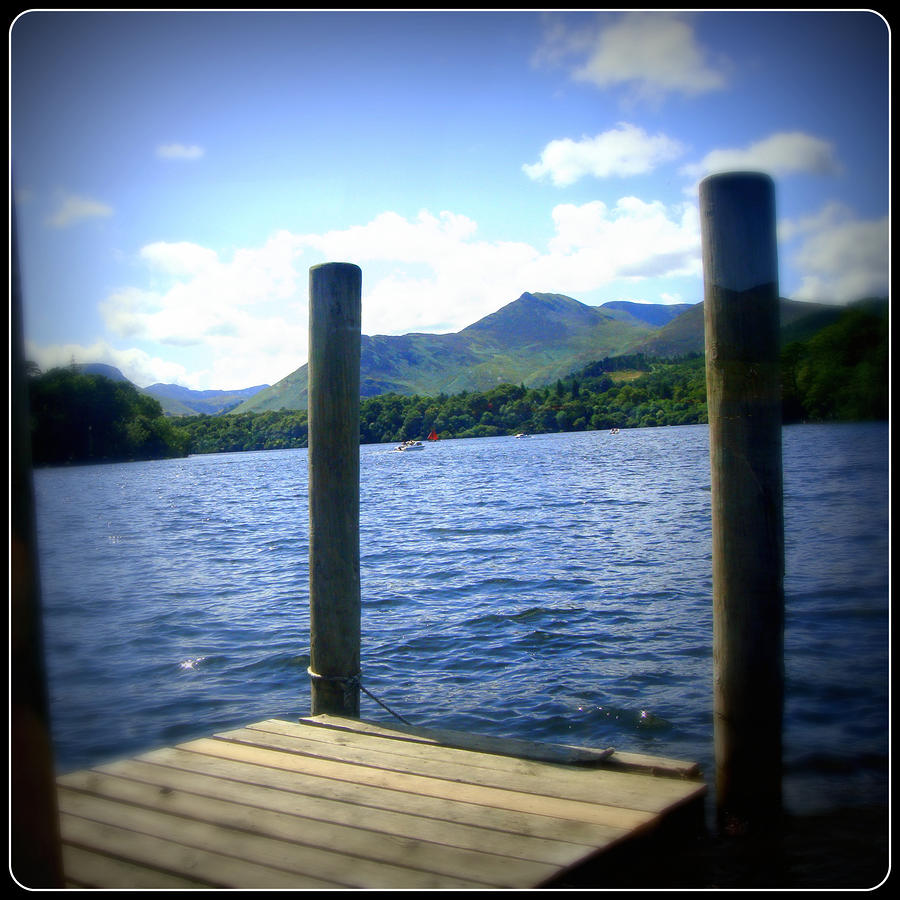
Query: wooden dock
<point x="330" y="802"/>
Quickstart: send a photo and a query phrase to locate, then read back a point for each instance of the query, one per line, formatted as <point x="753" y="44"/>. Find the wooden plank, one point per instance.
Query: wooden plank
<point x="648" y="764"/>
<point x="614" y="789"/>
<point x="296" y="825"/>
<point x="515" y="747"/>
<point x="574" y="778"/>
<point x="211" y="868"/>
<point x="316" y="863"/>
<point x="448" y="789"/>
<point x="564" y="754"/>
<point x="349" y="810"/>
<point x="87" y="868"/>
<point x="349" y="804"/>
<point x="494" y="824"/>
<point x="439" y="753"/>
<point x="489" y="749"/>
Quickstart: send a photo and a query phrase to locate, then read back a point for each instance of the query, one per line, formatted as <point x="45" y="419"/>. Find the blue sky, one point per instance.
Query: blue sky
<point x="176" y="174"/>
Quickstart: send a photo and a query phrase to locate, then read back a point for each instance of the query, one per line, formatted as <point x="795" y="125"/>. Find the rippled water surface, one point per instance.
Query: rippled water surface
<point x="556" y="588"/>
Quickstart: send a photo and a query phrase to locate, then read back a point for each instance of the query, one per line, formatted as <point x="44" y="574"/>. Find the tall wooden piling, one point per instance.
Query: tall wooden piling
<point x="35" y="858"/>
<point x="334" y="588"/>
<point x="742" y="322"/>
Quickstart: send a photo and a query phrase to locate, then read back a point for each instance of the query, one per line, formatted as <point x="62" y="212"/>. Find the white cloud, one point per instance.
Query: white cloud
<point x="196" y="297"/>
<point x="621" y="151"/>
<point x="652" y="53"/>
<point x="74" y="208"/>
<point x="828" y="216"/>
<point x="783" y="153"/>
<point x="136" y="365"/>
<point x="841" y="258"/>
<point x="247" y="316"/>
<point x="179" y="151"/>
<point x="596" y="244"/>
<point x="391" y="237"/>
<point x="125" y="310"/>
<point x="262" y="348"/>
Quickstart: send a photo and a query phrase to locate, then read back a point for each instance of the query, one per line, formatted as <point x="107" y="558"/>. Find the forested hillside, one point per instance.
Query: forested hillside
<point x="79" y="416"/>
<point x="839" y="374"/>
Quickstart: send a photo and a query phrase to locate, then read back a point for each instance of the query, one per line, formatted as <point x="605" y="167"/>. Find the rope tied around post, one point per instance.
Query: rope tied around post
<point x="351" y="684"/>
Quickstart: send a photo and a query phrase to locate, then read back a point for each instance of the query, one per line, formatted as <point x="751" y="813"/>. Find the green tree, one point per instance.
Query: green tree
<point x="84" y="417"/>
<point x="841" y="373"/>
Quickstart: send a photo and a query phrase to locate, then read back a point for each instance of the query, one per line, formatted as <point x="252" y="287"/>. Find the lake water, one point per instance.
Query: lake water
<point x="553" y="588"/>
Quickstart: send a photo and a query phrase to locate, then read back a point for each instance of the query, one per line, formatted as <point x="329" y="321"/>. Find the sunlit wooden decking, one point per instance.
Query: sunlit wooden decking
<point x="342" y="803"/>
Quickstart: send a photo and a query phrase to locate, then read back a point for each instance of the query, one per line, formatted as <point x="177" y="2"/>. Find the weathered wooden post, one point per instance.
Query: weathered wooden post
<point x="742" y="322"/>
<point x="35" y="855"/>
<point x="334" y="589"/>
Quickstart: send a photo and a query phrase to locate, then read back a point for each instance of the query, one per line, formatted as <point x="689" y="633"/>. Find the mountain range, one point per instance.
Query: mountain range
<point x="181" y="401"/>
<point x="177" y="400"/>
<point x="534" y="340"/>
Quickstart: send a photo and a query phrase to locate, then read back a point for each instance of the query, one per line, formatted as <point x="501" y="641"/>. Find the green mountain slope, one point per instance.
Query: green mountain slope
<point x="171" y="405"/>
<point x="684" y="334"/>
<point x="181" y="401"/>
<point x="176" y="400"/>
<point x="656" y="314"/>
<point x="533" y="341"/>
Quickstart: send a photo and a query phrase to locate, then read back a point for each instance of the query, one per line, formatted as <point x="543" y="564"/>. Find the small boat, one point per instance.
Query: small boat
<point x="433" y="436"/>
<point x="411" y="445"/>
<point x="521" y="434"/>
<point x="613" y="430"/>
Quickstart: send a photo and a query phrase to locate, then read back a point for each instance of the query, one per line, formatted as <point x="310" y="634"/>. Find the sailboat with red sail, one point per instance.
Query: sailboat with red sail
<point x="433" y="436"/>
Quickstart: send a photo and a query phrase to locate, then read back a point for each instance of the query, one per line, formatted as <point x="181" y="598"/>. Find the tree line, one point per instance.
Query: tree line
<point x="86" y="417"/>
<point x="841" y="374"/>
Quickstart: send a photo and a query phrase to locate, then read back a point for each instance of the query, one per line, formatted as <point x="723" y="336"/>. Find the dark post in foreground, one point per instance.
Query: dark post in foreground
<point x="334" y="590"/>
<point x="742" y="321"/>
<point x="35" y="857"/>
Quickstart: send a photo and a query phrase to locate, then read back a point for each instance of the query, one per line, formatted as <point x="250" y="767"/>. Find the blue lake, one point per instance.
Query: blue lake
<point x="554" y="588"/>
